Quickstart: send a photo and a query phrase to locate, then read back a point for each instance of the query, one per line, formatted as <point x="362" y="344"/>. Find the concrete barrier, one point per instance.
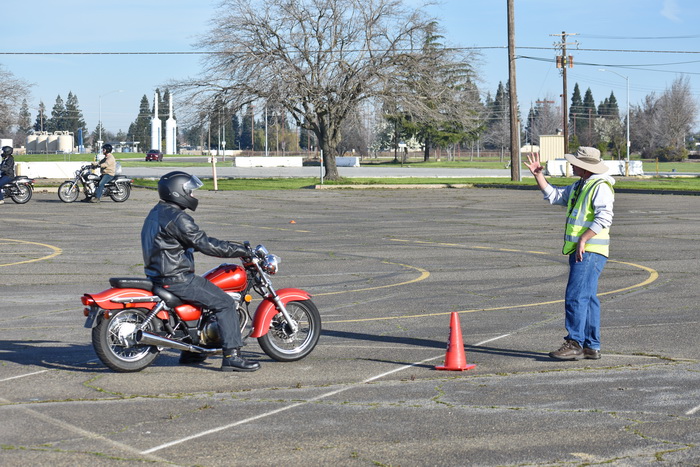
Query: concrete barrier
<point x="557" y="167"/>
<point x="268" y="162"/>
<point x="48" y="169"/>
<point x="347" y="161"/>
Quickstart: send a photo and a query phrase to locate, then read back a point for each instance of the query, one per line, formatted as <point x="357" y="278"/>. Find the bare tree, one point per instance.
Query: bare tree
<point x="317" y="58"/>
<point x="12" y="92"/>
<point x="677" y="110"/>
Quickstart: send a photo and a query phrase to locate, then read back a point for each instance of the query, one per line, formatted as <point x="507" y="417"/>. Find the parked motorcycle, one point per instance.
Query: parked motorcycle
<point x="119" y="188"/>
<point x="20" y="189"/>
<point x="134" y="320"/>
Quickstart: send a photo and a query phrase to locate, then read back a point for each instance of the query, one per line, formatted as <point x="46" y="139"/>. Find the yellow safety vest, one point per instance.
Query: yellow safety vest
<point x="580" y="217"/>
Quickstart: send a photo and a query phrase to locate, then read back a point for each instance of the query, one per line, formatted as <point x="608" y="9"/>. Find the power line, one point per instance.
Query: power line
<point x="617" y="65"/>
<point x="204" y="52"/>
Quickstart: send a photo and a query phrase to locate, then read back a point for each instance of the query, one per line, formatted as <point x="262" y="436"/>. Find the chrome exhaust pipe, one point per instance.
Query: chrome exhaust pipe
<point x="147" y="338"/>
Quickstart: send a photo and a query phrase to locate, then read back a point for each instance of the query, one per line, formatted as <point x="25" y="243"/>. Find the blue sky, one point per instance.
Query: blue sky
<point x="650" y="42"/>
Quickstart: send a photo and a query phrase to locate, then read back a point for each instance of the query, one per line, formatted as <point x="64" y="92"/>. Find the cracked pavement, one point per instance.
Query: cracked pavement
<point x="386" y="268"/>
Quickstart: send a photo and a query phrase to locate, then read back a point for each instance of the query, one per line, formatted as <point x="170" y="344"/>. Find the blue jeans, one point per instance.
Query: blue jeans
<point x="101" y="187"/>
<point x="4" y="179"/>
<point x="199" y="291"/>
<point x="581" y="304"/>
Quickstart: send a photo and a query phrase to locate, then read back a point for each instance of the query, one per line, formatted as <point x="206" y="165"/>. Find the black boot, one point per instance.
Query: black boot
<point x="191" y="358"/>
<point x="234" y="362"/>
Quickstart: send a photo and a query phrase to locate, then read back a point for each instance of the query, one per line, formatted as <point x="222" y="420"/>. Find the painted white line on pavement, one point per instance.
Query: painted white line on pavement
<point x="693" y="410"/>
<point x="22" y="376"/>
<point x="75" y="429"/>
<point x="314" y="399"/>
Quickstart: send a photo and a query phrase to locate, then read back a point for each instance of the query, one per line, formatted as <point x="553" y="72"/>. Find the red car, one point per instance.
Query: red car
<point x="154" y="155"/>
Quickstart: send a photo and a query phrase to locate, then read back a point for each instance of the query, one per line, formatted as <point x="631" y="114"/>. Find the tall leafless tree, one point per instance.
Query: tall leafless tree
<point x="317" y="58"/>
<point x="664" y="121"/>
<point x="12" y="92"/>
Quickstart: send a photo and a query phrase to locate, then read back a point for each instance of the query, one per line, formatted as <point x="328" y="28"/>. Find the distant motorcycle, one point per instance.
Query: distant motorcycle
<point x="119" y="188"/>
<point x="20" y="189"/>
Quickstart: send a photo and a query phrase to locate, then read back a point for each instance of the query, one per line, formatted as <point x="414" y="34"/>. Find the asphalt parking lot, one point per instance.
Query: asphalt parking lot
<point x="386" y="268"/>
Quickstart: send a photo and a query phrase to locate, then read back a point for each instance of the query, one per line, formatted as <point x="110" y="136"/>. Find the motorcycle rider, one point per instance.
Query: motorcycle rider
<point x="108" y="167"/>
<point x="7" y="169"/>
<point x="169" y="238"/>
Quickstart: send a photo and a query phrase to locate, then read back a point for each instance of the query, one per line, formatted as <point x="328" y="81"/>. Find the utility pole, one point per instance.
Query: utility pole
<point x="565" y="61"/>
<point x="513" y="98"/>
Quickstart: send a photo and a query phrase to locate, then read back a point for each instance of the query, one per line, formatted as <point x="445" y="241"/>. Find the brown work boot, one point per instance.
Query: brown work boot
<point x="591" y="354"/>
<point x="569" y="351"/>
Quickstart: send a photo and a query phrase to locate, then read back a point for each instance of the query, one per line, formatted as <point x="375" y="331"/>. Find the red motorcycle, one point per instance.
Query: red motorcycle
<point x="134" y="320"/>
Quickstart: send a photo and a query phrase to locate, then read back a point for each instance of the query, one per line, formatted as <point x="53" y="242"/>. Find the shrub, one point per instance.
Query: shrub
<point x="671" y="154"/>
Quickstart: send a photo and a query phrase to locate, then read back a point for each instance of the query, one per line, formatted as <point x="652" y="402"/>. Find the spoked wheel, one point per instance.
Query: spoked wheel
<point x="68" y="192"/>
<point x="22" y="195"/>
<point x="120" y="192"/>
<point x="114" y="341"/>
<point x="283" y="345"/>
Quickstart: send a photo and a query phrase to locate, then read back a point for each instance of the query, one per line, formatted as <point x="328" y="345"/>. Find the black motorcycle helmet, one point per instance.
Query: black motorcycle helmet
<point x="177" y="187"/>
<point x="6" y="151"/>
<point x="107" y="147"/>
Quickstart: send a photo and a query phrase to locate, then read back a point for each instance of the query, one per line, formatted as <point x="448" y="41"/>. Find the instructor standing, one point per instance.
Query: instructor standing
<point x="589" y="203"/>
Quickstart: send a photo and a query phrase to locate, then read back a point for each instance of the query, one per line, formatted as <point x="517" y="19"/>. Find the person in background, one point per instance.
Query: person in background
<point x="589" y="203"/>
<point x="7" y="169"/>
<point x="108" y="167"/>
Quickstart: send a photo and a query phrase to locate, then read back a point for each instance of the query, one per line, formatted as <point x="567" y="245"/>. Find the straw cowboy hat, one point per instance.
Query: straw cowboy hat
<point x="588" y="159"/>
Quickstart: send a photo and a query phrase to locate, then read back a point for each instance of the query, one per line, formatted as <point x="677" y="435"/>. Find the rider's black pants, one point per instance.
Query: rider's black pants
<point x="200" y="292"/>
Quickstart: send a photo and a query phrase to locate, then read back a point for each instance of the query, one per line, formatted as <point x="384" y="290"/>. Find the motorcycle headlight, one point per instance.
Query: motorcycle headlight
<point x="271" y="264"/>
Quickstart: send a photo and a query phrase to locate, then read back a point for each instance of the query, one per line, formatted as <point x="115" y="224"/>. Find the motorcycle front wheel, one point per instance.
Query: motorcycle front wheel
<point x="114" y="341"/>
<point x="68" y="192"/>
<point x="284" y="346"/>
<point x="120" y="192"/>
<point x="22" y="195"/>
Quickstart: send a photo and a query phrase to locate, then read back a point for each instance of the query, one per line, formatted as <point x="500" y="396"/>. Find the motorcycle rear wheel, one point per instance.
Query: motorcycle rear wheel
<point x="120" y="192"/>
<point x="22" y="195"/>
<point x="281" y="345"/>
<point x="68" y="192"/>
<point x="113" y="340"/>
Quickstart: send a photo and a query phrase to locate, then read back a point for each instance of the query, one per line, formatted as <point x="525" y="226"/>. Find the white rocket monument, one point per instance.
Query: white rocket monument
<point x="171" y="131"/>
<point x="156" y="126"/>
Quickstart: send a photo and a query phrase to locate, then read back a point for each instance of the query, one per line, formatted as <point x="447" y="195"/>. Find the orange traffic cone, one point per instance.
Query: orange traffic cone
<point x="455" y="358"/>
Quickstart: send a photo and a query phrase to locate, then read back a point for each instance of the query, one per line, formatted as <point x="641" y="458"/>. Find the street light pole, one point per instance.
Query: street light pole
<point x="99" y="125"/>
<point x="626" y="78"/>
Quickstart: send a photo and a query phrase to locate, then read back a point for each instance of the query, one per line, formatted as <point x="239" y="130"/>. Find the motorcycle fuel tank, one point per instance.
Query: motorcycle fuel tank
<point x="228" y="277"/>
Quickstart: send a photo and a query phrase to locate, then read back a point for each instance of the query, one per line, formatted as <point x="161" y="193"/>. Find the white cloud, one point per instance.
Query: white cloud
<point x="671" y="10"/>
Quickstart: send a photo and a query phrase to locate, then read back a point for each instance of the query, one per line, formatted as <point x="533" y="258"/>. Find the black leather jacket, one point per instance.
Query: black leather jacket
<point x="169" y="238"/>
<point x="7" y="166"/>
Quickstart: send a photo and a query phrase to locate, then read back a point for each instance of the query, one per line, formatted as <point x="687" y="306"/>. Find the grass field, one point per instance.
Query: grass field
<point x="647" y="183"/>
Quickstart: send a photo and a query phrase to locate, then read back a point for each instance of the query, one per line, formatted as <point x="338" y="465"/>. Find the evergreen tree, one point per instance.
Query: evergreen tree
<point x="236" y="132"/>
<point x="57" y="122"/>
<point x="140" y="129"/>
<point x="41" y="117"/>
<point x="73" y="120"/>
<point x="24" y="122"/>
<point x="577" y="116"/>
<point x="247" y="129"/>
<point x="587" y="131"/>
<point x="609" y="108"/>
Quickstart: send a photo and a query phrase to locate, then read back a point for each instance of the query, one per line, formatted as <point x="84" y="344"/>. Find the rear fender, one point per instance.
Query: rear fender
<point x="267" y="310"/>
<point x="106" y="299"/>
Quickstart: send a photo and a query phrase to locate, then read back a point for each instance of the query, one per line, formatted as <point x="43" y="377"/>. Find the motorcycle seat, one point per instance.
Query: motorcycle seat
<point x="171" y="300"/>
<point x="131" y="283"/>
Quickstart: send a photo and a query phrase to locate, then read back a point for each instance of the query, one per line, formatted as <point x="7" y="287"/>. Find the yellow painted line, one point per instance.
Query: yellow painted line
<point x="281" y="229"/>
<point x="653" y="276"/>
<point x="56" y="251"/>
<point x="424" y="274"/>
